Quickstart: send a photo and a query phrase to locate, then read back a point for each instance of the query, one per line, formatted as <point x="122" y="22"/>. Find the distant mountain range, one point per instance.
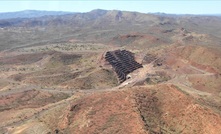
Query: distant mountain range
<point x="99" y="19"/>
<point x="31" y="14"/>
<point x="39" y="13"/>
<point x="104" y="26"/>
<point x="177" y="15"/>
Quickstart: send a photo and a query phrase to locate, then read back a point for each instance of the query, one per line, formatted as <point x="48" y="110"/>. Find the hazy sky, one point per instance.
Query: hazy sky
<point x="145" y="6"/>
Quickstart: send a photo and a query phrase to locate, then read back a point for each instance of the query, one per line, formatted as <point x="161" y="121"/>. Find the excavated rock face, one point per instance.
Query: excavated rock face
<point x="123" y="63"/>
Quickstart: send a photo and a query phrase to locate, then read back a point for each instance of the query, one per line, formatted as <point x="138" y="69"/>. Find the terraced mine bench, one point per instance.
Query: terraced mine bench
<point x="123" y="63"/>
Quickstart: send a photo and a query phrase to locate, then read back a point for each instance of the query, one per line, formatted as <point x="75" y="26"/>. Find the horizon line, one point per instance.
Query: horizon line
<point x="110" y="10"/>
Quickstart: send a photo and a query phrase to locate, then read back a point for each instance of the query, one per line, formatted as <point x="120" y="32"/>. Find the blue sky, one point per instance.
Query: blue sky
<point x="145" y="6"/>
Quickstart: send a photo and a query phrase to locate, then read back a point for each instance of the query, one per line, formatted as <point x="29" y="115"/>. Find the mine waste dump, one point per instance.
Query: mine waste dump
<point x="123" y="63"/>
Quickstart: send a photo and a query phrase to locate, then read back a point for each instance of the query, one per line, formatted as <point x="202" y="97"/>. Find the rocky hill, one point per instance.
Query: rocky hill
<point x="77" y="73"/>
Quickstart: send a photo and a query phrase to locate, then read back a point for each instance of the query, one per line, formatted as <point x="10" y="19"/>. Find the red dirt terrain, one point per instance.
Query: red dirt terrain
<point x="167" y="95"/>
<point x="61" y="83"/>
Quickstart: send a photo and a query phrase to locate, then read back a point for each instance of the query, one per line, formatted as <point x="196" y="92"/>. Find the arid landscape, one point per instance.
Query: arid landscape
<point x="54" y="78"/>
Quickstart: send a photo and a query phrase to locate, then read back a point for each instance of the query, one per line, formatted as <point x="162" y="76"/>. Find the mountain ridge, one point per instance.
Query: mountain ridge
<point x="56" y="74"/>
<point x="30" y="14"/>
